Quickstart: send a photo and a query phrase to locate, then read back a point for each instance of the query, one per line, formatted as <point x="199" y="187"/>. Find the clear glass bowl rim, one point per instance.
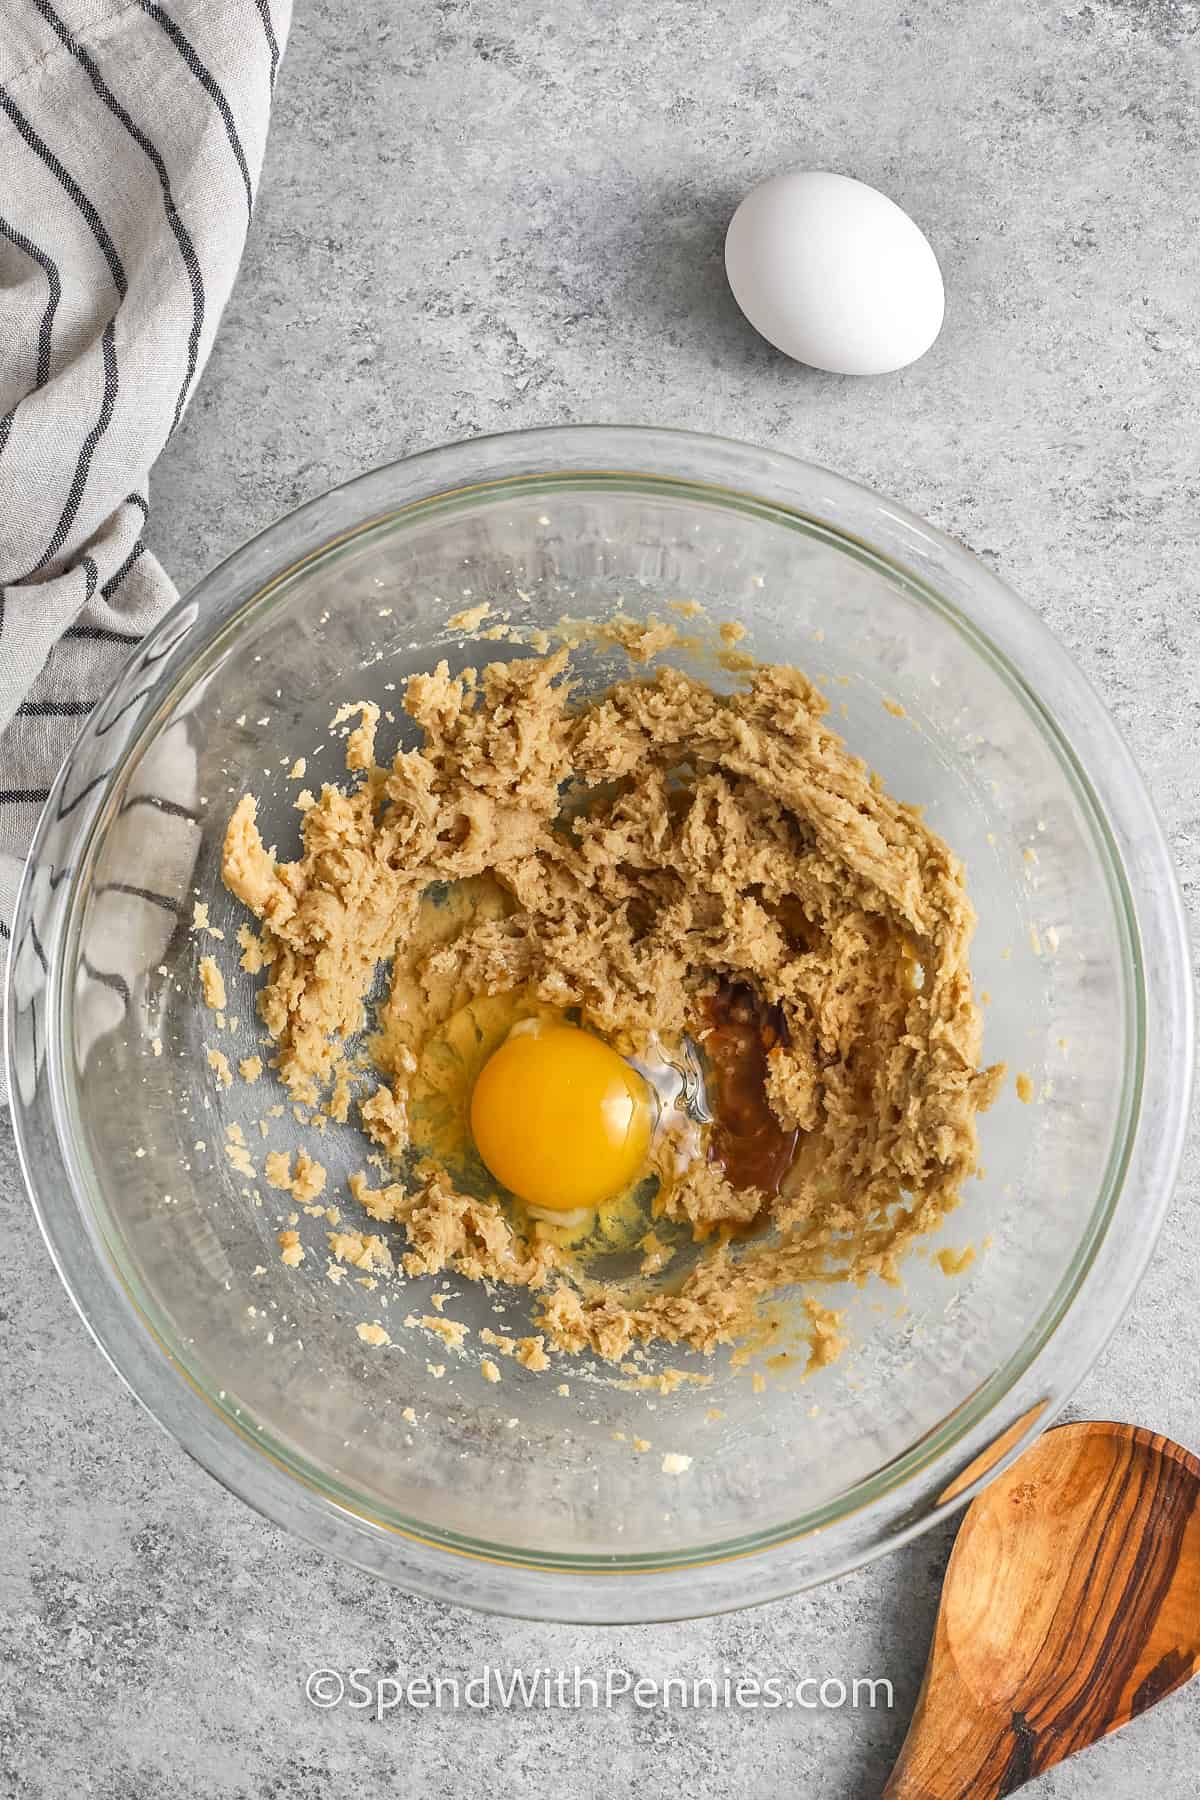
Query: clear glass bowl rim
<point x="893" y="1504"/>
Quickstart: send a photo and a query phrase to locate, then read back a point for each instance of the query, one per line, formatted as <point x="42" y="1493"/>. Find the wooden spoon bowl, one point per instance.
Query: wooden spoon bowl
<point x="1071" y="1604"/>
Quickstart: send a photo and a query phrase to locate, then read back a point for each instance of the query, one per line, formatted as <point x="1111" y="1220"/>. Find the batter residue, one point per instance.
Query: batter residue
<point x="664" y="865"/>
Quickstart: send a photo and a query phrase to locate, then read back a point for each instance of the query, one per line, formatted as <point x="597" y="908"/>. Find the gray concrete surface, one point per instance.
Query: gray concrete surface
<point x="479" y="215"/>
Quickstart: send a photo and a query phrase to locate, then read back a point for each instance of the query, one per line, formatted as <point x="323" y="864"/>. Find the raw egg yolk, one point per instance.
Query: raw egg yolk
<point x="560" y="1119"/>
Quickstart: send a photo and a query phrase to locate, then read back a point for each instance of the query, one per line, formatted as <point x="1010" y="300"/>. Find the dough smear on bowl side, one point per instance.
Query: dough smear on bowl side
<point x="629" y="862"/>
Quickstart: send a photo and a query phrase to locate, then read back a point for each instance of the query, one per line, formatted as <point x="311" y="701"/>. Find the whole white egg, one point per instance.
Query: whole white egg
<point x="833" y="273"/>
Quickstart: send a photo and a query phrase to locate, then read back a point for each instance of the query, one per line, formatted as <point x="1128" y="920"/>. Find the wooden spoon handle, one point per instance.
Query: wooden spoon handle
<point x="983" y="1763"/>
<point x="1071" y="1604"/>
<point x="955" y="1752"/>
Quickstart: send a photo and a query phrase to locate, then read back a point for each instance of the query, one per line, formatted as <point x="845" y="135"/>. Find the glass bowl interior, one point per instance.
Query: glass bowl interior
<point x="543" y="1470"/>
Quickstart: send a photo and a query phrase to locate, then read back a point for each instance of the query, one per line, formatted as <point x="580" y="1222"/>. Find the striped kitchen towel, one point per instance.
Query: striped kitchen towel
<point x="131" y="138"/>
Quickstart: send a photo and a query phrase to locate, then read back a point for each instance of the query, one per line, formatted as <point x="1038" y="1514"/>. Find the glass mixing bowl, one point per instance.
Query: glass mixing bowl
<point x="529" y="1496"/>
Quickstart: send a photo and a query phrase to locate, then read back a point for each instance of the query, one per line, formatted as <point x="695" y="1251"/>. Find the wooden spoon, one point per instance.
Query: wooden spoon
<point x="1071" y="1604"/>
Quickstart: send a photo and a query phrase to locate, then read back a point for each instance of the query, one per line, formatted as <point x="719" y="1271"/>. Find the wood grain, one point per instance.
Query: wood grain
<point x="1071" y="1604"/>
<point x="988" y="1458"/>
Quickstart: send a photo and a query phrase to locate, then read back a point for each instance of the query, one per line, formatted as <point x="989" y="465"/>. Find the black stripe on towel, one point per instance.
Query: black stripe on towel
<point x="108" y="978"/>
<point x="171" y="807"/>
<point x="70" y="186"/>
<point x="102" y="730"/>
<point x="163" y="651"/>
<point x="114" y="581"/>
<point x="140" y="893"/>
<point x="79" y="481"/>
<point x="264" y="13"/>
<point x="64" y="812"/>
<point x="102" y="634"/>
<point x="179" y="231"/>
<point x="38" y="951"/>
<point x="49" y="269"/>
<point x="54" y="709"/>
<point x="210" y="85"/>
<point x="24" y="796"/>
